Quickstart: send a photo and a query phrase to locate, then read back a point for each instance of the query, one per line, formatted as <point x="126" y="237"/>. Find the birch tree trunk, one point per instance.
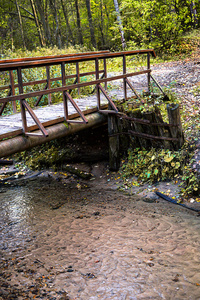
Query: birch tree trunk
<point x="120" y="23"/>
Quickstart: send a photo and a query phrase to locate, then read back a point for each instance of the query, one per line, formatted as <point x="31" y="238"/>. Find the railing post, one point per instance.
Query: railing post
<point x="105" y="72"/>
<point x="12" y="90"/>
<point x="48" y="83"/>
<point x="124" y="79"/>
<point x="64" y="95"/>
<point x="97" y="85"/>
<point x="148" y="75"/>
<point x="23" y="112"/>
<point x="78" y="76"/>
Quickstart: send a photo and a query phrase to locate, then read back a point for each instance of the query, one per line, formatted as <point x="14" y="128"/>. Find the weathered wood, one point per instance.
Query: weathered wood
<point x="143" y="143"/>
<point x="173" y="111"/>
<point x="151" y="137"/>
<point x="49" y="123"/>
<point x="52" y="56"/>
<point x="114" y="155"/>
<point x="151" y="130"/>
<point x="163" y="130"/>
<point x="124" y="139"/>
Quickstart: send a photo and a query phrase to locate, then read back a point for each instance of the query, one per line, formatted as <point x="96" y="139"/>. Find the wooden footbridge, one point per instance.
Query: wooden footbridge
<point x="22" y="93"/>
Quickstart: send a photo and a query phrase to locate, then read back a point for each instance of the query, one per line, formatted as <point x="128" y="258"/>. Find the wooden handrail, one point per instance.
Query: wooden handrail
<point x="55" y="61"/>
<point x="72" y="86"/>
<point x="50" y="56"/>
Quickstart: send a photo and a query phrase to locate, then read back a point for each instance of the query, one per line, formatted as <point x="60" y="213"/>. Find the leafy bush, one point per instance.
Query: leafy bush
<point x="159" y="165"/>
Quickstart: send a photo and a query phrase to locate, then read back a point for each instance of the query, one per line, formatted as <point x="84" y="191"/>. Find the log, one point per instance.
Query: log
<point x="6" y="162"/>
<point x="77" y="172"/>
<point x="175" y="118"/>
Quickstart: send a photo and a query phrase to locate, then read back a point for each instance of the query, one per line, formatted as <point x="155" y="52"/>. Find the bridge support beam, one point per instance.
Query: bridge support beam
<point x="21" y="143"/>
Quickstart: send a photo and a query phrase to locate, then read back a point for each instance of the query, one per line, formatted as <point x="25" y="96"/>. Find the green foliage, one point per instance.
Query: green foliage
<point x="48" y="155"/>
<point x="159" y="165"/>
<point x="157" y="24"/>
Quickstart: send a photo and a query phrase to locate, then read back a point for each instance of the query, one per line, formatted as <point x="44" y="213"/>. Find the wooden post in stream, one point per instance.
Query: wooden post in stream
<point x="175" y="119"/>
<point x="114" y="157"/>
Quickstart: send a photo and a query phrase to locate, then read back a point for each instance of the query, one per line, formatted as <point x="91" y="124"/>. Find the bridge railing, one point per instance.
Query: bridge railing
<point x="19" y="65"/>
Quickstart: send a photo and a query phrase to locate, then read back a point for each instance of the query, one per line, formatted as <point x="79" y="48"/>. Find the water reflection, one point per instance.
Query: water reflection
<point x="16" y="214"/>
<point x="16" y="205"/>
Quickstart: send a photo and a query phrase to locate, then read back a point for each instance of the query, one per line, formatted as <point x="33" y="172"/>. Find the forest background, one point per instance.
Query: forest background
<point x="98" y="24"/>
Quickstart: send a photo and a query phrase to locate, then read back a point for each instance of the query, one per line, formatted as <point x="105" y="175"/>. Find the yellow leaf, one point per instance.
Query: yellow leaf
<point x="168" y="158"/>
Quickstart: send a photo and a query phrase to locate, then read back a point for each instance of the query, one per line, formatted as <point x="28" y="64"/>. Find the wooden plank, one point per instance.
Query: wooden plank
<point x="50" y="123"/>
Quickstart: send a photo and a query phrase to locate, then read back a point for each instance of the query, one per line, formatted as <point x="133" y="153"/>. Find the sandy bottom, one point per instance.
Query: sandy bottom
<point x="81" y="241"/>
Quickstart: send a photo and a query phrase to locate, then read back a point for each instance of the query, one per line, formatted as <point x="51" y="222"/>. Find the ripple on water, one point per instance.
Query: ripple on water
<point x="129" y="254"/>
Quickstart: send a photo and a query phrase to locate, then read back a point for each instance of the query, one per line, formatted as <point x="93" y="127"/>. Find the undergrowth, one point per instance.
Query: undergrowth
<point x="161" y="165"/>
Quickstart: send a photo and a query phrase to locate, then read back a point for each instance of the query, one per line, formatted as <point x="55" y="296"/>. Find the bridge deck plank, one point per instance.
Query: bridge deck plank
<point x="13" y="123"/>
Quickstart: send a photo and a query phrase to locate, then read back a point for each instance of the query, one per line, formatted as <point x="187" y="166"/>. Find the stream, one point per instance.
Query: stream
<point x="63" y="240"/>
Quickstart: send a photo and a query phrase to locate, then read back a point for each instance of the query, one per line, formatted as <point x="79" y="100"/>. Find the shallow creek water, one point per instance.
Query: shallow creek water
<point x="65" y="242"/>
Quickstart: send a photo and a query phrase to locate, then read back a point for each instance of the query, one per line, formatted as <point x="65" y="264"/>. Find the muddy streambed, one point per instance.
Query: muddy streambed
<point x="90" y="241"/>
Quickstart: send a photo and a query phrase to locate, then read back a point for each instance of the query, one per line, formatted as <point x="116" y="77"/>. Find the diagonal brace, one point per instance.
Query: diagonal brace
<point x="40" y="97"/>
<point x="108" y="98"/>
<point x="85" y="121"/>
<point x="132" y="88"/>
<point x="35" y="118"/>
<point x="158" y="85"/>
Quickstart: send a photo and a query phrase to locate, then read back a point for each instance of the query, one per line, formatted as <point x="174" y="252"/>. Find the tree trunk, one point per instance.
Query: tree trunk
<point x="70" y="37"/>
<point x="93" y="40"/>
<point x="20" y="22"/>
<point x="44" y="22"/>
<point x="80" y="37"/>
<point x="57" y="33"/>
<point x="120" y="23"/>
<point x="101" y="26"/>
<point x="193" y="14"/>
<point x="37" y="24"/>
